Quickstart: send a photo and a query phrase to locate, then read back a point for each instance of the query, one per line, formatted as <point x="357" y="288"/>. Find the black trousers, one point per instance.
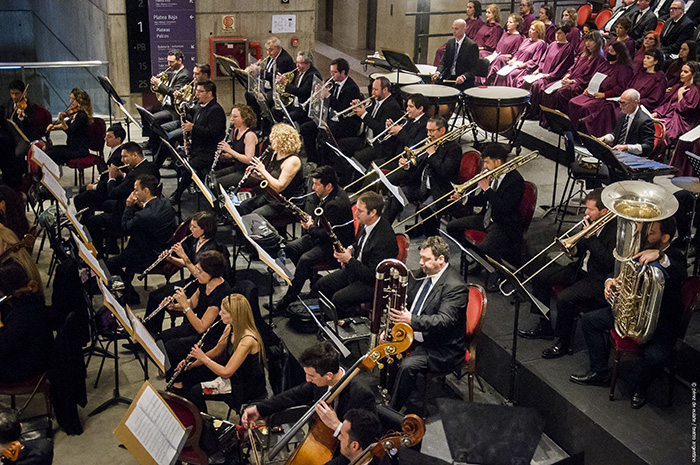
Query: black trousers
<point x="343" y="292"/>
<point x="501" y="243"/>
<point x="409" y="370"/>
<point x="62" y="154"/>
<point x="178" y="342"/>
<point x="305" y="252"/>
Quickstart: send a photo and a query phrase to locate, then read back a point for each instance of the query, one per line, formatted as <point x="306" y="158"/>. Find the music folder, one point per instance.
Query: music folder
<point x="351" y="160"/>
<point x="395" y="190"/>
<point x="202" y="187"/>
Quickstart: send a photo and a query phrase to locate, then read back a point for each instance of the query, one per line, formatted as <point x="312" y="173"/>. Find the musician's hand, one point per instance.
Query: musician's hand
<point x="178" y="250"/>
<point x="281" y="79"/>
<point x="181" y="298"/>
<point x="400" y="316"/>
<point x="395" y="129"/>
<point x="382" y="337"/>
<point x="609" y="285"/>
<point x="226" y="150"/>
<point x="177" y="94"/>
<point x="403" y="163"/>
<point x="114" y="172"/>
<point x="431" y="150"/>
<point x="327" y="415"/>
<point x="181" y="365"/>
<point x="258" y="166"/>
<point x="307" y="224"/>
<point x="599" y="95"/>
<point x="131" y="200"/>
<point x="460" y="80"/>
<point x="250" y="416"/>
<point x="585" y="92"/>
<point x="455" y="196"/>
<point x="187" y="126"/>
<point x="655" y="115"/>
<point x="484" y="183"/>
<point x="435" y="77"/>
<point x="344" y="256"/>
<point x="647" y="256"/>
<point x="621" y="147"/>
<point x="155" y="81"/>
<point x="359" y="110"/>
<point x="586" y="221"/>
<point x="198" y="353"/>
<point x="92" y="186"/>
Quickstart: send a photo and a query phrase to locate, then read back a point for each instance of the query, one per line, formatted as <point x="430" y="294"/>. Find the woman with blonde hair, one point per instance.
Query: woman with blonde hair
<point x="234" y="370"/>
<point x="18" y="254"/>
<point x="528" y="56"/>
<point x="490" y="33"/>
<point x="507" y="46"/>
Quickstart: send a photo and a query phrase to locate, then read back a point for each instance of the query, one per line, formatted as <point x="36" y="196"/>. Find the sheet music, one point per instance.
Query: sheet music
<point x="395" y="190"/>
<point x="613" y="99"/>
<point x="596" y="81"/>
<point x="228" y="203"/>
<point x="506" y="70"/>
<point x="72" y="216"/>
<point x="276" y="265"/>
<point x="40" y="157"/>
<point x="55" y="187"/>
<point x="530" y="78"/>
<point x="691" y="136"/>
<point x="146" y="340"/>
<point x="86" y="254"/>
<point x="493" y="56"/>
<point x="354" y="163"/>
<point x="554" y="87"/>
<point x="112" y="302"/>
<point x="156" y="428"/>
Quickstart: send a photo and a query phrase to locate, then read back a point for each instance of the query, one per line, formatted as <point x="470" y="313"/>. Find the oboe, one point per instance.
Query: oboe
<point x="188" y="359"/>
<point x="160" y="259"/>
<point x="167" y="302"/>
<point x="249" y="171"/>
<point x="186" y="136"/>
<point x="217" y="155"/>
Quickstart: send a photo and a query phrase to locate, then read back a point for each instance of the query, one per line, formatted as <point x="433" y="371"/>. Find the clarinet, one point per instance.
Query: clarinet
<point x="326" y="225"/>
<point x="169" y="300"/>
<point x="217" y="155"/>
<point x="248" y="172"/>
<point x="296" y="210"/>
<point x="186" y="136"/>
<point x="188" y="359"/>
<point x="161" y="259"/>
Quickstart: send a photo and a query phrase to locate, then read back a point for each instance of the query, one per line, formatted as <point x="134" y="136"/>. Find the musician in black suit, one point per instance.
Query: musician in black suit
<point x="658" y="252"/>
<point x="677" y="29"/>
<point x="208" y="128"/>
<point x="354" y="283"/>
<point x="634" y="129"/>
<point x="300" y="86"/>
<point x="278" y="60"/>
<point x="23" y="113"/>
<point x="662" y="9"/>
<point x="643" y="20"/>
<point x="316" y="244"/>
<point x="178" y="77"/>
<point x="500" y="218"/>
<point x="436" y="310"/>
<point x="461" y="68"/>
<point x="359" y="430"/>
<point x="430" y="178"/>
<point x="583" y="281"/>
<point x="322" y="368"/>
<point x="149" y="221"/>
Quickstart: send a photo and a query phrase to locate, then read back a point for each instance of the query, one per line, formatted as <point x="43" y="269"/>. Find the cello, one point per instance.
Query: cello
<point x="320" y="443"/>
<point x="412" y="432"/>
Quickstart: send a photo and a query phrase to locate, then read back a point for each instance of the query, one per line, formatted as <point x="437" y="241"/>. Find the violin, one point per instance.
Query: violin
<point x="21" y="106"/>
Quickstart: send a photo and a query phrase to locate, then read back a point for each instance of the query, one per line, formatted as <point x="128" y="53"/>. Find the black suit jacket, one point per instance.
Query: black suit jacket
<point x="120" y="189"/>
<point x="601" y="262"/>
<point x="114" y="159"/>
<point x="466" y="61"/>
<point x="412" y="133"/>
<point x="673" y="35"/>
<point x="28" y="124"/>
<point x="665" y="10"/>
<point x="442" y="167"/>
<point x="149" y="229"/>
<point x="443" y="320"/>
<point x="390" y="109"/>
<point x="694" y="13"/>
<point x="183" y="78"/>
<point x="355" y="395"/>
<point x="346" y="127"/>
<point x="614" y="19"/>
<point x="285" y="63"/>
<point x="380" y="245"/>
<point x="646" y="23"/>
<point x="209" y="129"/>
<point x="504" y="201"/>
<point x="641" y="131"/>
<point x="337" y="209"/>
<point x="671" y="309"/>
<point x="303" y="91"/>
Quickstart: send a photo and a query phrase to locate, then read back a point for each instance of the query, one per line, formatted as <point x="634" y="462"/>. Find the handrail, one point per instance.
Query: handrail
<point x="51" y="64"/>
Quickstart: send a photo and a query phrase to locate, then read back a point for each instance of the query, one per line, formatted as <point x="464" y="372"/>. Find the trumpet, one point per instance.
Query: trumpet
<point x="348" y="111"/>
<point x="160" y="259"/>
<point x="384" y="135"/>
<point x="107" y="170"/>
<point x="168" y="301"/>
<point x="314" y="95"/>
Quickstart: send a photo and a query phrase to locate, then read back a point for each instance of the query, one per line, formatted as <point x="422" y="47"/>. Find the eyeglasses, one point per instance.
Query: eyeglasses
<point x="676" y="8"/>
<point x="623" y="103"/>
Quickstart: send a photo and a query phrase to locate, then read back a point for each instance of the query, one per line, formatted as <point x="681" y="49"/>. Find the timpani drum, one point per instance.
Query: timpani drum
<point x="426" y="72"/>
<point x="442" y="100"/>
<point x="400" y="79"/>
<point x="496" y="109"/>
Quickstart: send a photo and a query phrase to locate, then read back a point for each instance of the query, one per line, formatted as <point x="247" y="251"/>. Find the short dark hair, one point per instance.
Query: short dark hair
<point x="326" y="175"/>
<point x="496" y="151"/>
<point x="548" y="11"/>
<point x="117" y="130"/>
<point x="438" y="246"/>
<point x="12" y="278"/>
<point x="625" y="22"/>
<point x="595" y="194"/>
<point x="208" y="85"/>
<point x="384" y="82"/>
<point x="212" y="263"/>
<point x="207" y="222"/>
<point x="322" y="357"/>
<point x="419" y="101"/>
<point x="10" y="428"/>
<point x="477" y="7"/>
<point x="133" y="147"/>
<point x="668" y="226"/>
<point x="342" y="65"/>
<point x="177" y="53"/>
<point x="204" y="68"/>
<point x="439" y="121"/>
<point x="564" y="27"/>
<point x="148" y="181"/>
<point x="657" y="54"/>
<point x="365" y="427"/>
<point x="16" y="84"/>
<point x="373" y="201"/>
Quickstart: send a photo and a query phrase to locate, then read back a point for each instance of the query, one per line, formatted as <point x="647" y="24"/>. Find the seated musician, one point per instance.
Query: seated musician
<point x="237" y="155"/>
<point x="234" y="369"/>
<point x="679" y="111"/>
<point x="500" y="215"/>
<point x="316" y="245"/>
<point x="18" y="451"/>
<point x="184" y="255"/>
<point x="300" y="86"/>
<point x="583" y="281"/>
<point x="149" y="221"/>
<point x="596" y="325"/>
<point x="321" y="365"/>
<point x="343" y="91"/>
<point x="74" y="122"/>
<point x="359" y="430"/>
<point x="200" y="310"/>
<point x="354" y="283"/>
<point x="374" y="117"/>
<point x="461" y="58"/>
<point x="634" y="130"/>
<point x="19" y="255"/>
<point x="178" y="77"/>
<point x="22" y="112"/>
<point x="436" y="303"/>
<point x="207" y="126"/>
<point x="278" y="60"/>
<point x="13" y="211"/>
<point x="283" y="173"/>
<point x="431" y="177"/>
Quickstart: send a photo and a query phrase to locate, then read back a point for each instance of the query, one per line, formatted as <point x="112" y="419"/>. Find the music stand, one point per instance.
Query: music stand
<point x="114" y="96"/>
<point x="256" y="87"/>
<point x="400" y="61"/>
<point x="329" y="334"/>
<point x="232" y="69"/>
<point x="148" y="121"/>
<point x="604" y="153"/>
<point x="474" y="256"/>
<point x="562" y="125"/>
<point x="395" y="190"/>
<point x="202" y="187"/>
<point x="694" y="161"/>
<point x="278" y="103"/>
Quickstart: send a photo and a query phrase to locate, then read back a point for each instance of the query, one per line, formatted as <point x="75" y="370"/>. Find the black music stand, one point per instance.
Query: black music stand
<point x="562" y="125"/>
<point x="401" y="62"/>
<point x="694" y="161"/>
<point x="148" y="121"/>
<point x="231" y="68"/>
<point x="604" y="153"/>
<point x="114" y="96"/>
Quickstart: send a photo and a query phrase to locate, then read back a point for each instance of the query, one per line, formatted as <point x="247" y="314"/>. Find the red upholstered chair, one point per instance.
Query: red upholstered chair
<point x="476" y="309"/>
<point x="659" y="27"/>
<point x="96" y="142"/>
<point x="41" y="120"/>
<point x="29" y="387"/>
<point x="404" y="244"/>
<point x="470" y="165"/>
<point x="584" y="13"/>
<point x="690" y="295"/>
<point x="602" y="17"/>
<point x="659" y="136"/>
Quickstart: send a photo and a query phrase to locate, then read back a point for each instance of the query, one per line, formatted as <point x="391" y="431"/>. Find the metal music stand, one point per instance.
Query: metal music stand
<point x="694" y="161"/>
<point x="114" y="96"/>
<point x="401" y="62"/>
<point x="231" y="68"/>
<point x="148" y="121"/>
<point x="562" y="125"/>
<point x="604" y="153"/>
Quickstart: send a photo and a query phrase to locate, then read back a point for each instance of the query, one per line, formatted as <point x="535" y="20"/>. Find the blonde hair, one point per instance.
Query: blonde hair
<point x="573" y="16"/>
<point x="21" y="256"/>
<point x="285" y="140"/>
<point x="539" y="28"/>
<point x="238" y="308"/>
<point x="496" y="11"/>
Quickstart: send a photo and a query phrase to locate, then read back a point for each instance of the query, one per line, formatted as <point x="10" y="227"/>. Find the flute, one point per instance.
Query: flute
<point x="107" y="170"/>
<point x="189" y="358"/>
<point x="160" y="259"/>
<point x="167" y="302"/>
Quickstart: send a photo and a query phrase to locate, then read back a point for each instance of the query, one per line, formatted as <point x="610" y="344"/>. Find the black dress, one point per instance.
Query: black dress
<point x="77" y="145"/>
<point x="232" y="171"/>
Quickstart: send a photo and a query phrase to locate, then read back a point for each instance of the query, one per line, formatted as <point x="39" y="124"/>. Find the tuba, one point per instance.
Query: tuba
<point x="286" y="97"/>
<point x="164" y="77"/>
<point x="636" y="300"/>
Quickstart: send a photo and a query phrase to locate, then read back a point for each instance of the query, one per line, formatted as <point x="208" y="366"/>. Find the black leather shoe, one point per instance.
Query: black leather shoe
<point x="638" y="401"/>
<point x="592" y="378"/>
<point x="556" y="351"/>
<point x="540" y="331"/>
<point x="133" y="346"/>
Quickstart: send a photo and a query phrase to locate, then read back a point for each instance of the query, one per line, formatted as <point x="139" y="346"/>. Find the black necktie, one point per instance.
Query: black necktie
<point x="360" y="240"/>
<point x="623" y="131"/>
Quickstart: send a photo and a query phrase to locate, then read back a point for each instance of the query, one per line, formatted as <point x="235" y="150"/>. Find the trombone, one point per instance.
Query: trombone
<point x="348" y="111"/>
<point x="469" y="186"/>
<point x="384" y="135"/>
<point x="567" y="245"/>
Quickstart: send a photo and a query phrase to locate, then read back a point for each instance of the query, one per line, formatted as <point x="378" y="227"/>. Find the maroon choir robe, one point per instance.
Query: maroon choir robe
<point x="556" y="62"/>
<point x="638" y="61"/>
<point x="525" y="25"/>
<point x="488" y="37"/>
<point x="679" y="116"/>
<point x="629" y="43"/>
<point x="581" y="106"/>
<point x="508" y="45"/>
<point x="574" y="38"/>
<point x="550" y="32"/>
<point x="530" y="53"/>
<point x="473" y="26"/>
<point x="581" y="73"/>
<point x="673" y="72"/>
<point x="680" y="161"/>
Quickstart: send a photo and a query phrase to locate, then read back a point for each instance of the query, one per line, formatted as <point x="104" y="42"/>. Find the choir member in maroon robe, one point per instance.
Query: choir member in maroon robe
<point x="555" y="63"/>
<point x="527" y="12"/>
<point x="547" y="17"/>
<point x="618" y="71"/>
<point x="529" y="54"/>
<point x="507" y="46"/>
<point x="651" y="40"/>
<point x="680" y="112"/>
<point x="622" y="28"/>
<point x="688" y="52"/>
<point x="490" y="33"/>
<point x="574" y="36"/>
<point x="473" y="18"/>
